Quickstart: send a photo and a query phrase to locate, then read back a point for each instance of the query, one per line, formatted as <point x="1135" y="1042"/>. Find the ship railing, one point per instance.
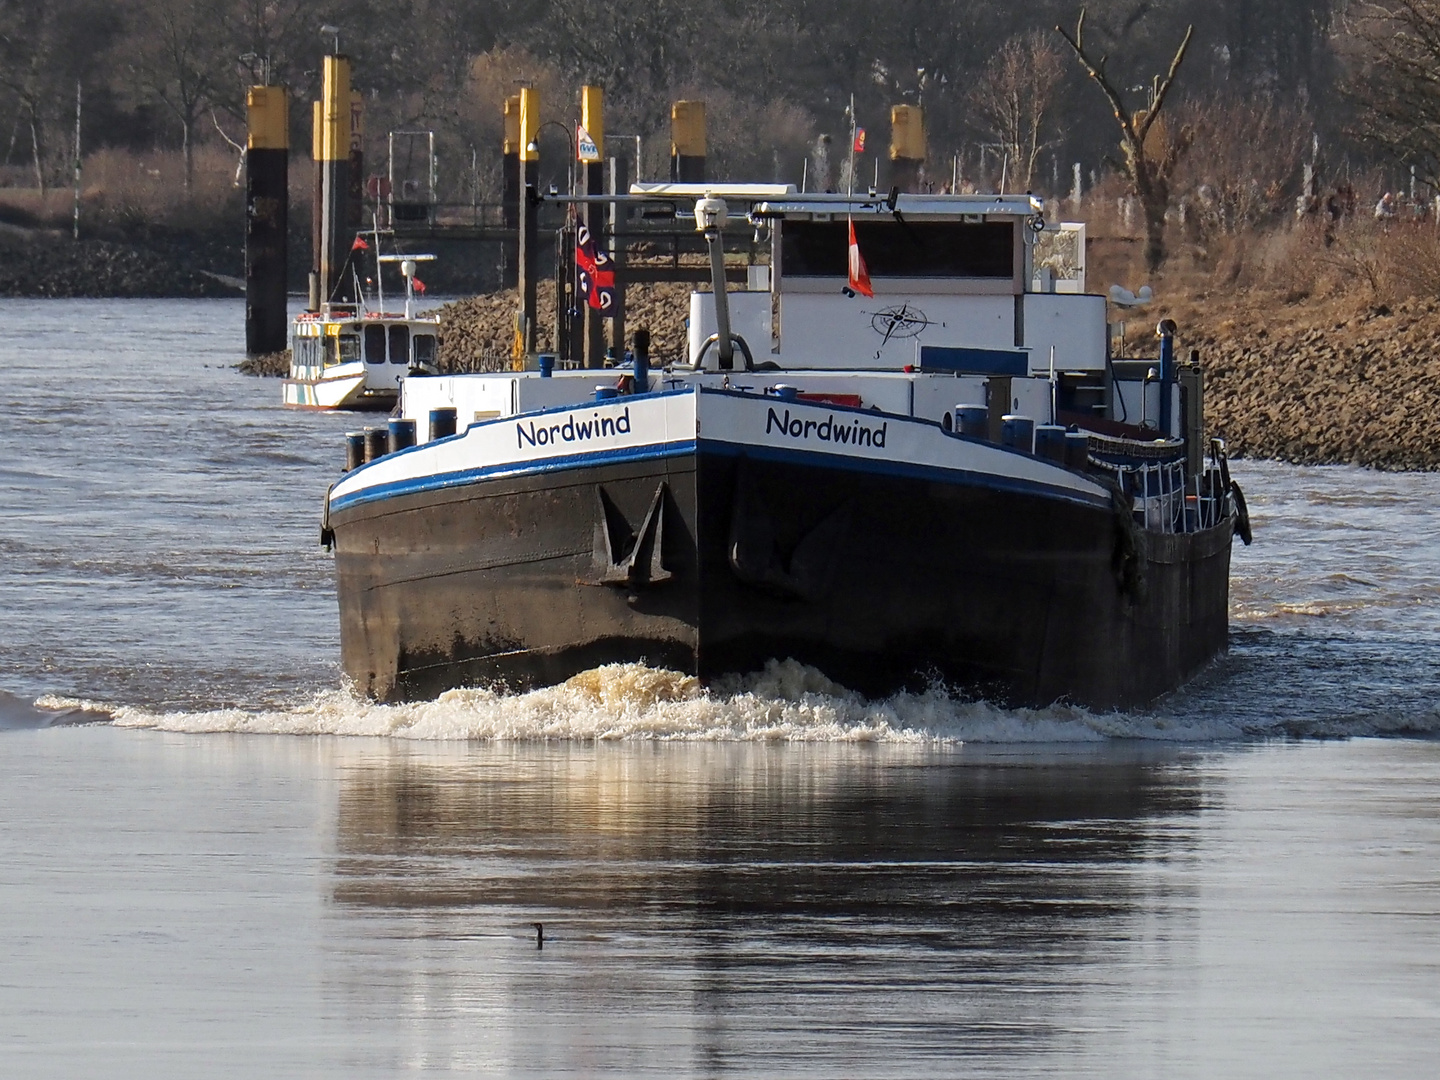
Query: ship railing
<point x="1165" y="500"/>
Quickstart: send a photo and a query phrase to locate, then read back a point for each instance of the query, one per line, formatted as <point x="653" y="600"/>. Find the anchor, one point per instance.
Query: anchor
<point x="626" y="559"/>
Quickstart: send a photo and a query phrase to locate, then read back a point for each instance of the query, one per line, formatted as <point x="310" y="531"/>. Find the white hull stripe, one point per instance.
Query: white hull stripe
<point x="670" y="425"/>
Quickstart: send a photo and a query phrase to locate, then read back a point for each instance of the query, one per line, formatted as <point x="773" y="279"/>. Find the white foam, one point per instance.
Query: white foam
<point x="787" y="702"/>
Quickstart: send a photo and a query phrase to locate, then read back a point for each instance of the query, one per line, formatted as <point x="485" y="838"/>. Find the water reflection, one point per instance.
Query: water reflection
<point x="825" y="904"/>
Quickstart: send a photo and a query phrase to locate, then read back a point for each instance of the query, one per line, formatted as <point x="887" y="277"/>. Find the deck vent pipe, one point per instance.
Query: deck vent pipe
<point x="547" y="364"/>
<point x="354" y="450"/>
<point x="1018" y="433"/>
<point x="642" y="361"/>
<point x="402" y="434"/>
<point x="442" y="423"/>
<point x="1166" y="333"/>
<point x="377" y="443"/>
<point x="973" y="421"/>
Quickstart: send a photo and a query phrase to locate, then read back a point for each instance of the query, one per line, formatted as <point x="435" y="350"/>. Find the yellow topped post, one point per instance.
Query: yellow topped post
<point x="529" y="249"/>
<point x="592" y="117"/>
<point x="267" y="111"/>
<point x="510" y="190"/>
<point x="335" y="105"/>
<point x="529" y="124"/>
<point x="907" y="146"/>
<point x="512" y="124"/>
<point x="334" y="172"/>
<point x="687" y="142"/>
<point x="267" y="210"/>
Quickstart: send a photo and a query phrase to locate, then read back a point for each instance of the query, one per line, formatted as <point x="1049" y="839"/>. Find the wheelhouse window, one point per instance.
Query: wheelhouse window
<point x="349" y="348"/>
<point x="332" y="351"/>
<point x="307" y="352"/>
<point x="399" y="344"/>
<point x="374" y="344"/>
<point x="894" y="249"/>
<point x="425" y="349"/>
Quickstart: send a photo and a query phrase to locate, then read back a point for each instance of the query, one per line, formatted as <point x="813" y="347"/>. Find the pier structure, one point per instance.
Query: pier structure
<point x="536" y="231"/>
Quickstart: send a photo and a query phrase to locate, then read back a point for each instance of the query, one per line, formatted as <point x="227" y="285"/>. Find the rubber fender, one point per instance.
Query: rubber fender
<point x="1242" y="514"/>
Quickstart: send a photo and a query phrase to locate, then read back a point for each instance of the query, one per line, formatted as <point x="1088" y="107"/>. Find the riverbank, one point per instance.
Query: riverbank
<point x="47" y="263"/>
<point x="1320" y="382"/>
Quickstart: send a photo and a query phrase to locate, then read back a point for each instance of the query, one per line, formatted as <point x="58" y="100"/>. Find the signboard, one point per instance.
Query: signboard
<point x="585" y="148"/>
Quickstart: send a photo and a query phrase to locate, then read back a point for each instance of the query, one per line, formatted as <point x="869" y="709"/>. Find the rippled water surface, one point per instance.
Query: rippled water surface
<point x="771" y="877"/>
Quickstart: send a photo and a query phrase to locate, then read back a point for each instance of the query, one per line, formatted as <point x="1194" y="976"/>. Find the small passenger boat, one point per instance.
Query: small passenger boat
<point x="347" y="356"/>
<point x="949" y="480"/>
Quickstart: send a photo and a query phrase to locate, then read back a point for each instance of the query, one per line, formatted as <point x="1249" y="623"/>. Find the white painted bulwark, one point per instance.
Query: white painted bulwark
<point x="630" y="428"/>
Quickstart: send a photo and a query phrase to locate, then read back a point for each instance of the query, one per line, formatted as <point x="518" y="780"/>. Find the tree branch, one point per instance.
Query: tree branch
<point x="1165" y="86"/>
<point x="1097" y="72"/>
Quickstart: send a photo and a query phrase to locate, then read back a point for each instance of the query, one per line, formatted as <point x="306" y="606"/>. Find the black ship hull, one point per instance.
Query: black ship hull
<point x="713" y="560"/>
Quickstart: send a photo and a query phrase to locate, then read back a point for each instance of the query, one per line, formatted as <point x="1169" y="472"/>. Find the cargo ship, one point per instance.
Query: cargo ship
<point x="904" y="455"/>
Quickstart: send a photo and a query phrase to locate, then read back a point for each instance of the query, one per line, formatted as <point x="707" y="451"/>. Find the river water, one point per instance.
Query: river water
<point x="216" y="862"/>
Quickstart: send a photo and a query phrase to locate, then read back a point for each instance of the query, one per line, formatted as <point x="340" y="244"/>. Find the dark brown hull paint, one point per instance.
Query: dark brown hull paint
<point x="713" y="564"/>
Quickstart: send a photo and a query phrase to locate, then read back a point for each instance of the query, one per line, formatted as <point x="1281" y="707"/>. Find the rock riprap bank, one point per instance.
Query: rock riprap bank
<point x="477" y="334"/>
<point x="37" y="263"/>
<point x="1323" y="383"/>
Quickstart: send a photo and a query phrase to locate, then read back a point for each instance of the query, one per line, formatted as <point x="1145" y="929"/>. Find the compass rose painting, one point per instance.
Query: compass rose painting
<point x="898" y="322"/>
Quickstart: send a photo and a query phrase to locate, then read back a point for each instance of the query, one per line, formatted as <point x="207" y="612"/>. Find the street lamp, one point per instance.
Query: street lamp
<point x="534" y="148"/>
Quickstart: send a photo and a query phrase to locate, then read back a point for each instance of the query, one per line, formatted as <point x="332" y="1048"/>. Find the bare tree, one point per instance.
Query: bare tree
<point x="1014" y="97"/>
<point x="1393" y="81"/>
<point x="177" y="54"/>
<point x="1149" y="163"/>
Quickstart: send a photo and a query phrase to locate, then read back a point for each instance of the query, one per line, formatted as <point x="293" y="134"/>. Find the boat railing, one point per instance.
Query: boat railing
<point x="1165" y="500"/>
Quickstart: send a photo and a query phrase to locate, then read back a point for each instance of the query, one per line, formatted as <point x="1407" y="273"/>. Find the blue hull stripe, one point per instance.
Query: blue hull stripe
<point x="657" y="451"/>
<point x="441" y="481"/>
<point x="909" y="470"/>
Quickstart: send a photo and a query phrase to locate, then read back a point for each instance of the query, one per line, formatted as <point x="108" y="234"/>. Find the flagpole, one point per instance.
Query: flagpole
<point x="850" y="172"/>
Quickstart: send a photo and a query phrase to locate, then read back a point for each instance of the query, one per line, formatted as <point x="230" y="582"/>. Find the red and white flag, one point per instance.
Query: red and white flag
<point x="859" y="274"/>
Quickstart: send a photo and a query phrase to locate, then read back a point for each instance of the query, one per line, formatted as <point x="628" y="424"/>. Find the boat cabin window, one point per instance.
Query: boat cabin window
<point x="307" y="351"/>
<point x="331" y="348"/>
<point x="349" y="348"/>
<point x="374" y="344"/>
<point x="425" y="348"/>
<point x="399" y="344"/>
<point x="914" y="249"/>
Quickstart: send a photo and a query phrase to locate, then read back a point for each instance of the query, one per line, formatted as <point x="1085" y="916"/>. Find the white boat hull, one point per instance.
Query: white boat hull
<point x="341" y="387"/>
